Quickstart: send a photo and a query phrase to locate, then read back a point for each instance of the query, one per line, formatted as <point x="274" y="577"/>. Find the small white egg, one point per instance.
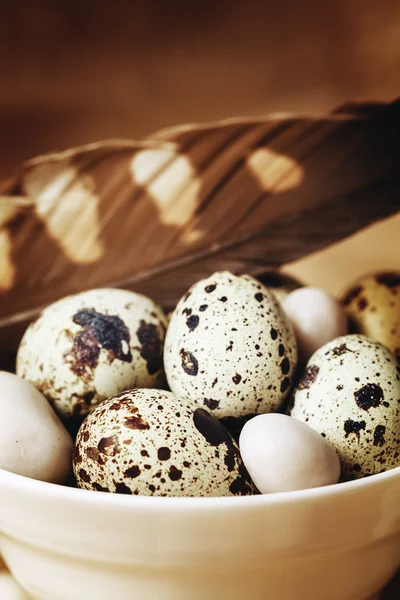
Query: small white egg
<point x="33" y="441"/>
<point x="317" y="319"/>
<point x="282" y="454"/>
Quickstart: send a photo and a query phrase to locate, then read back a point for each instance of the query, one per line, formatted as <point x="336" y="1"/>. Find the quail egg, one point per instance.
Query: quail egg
<point x="350" y="394"/>
<point x="149" y="442"/>
<point x="90" y="346"/>
<point x="33" y="441"/>
<point x="317" y="319"/>
<point x="373" y="305"/>
<point x="230" y="348"/>
<point x="283" y="454"/>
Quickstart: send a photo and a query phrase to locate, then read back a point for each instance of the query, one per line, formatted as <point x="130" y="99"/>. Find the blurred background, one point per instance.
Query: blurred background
<point x="74" y="72"/>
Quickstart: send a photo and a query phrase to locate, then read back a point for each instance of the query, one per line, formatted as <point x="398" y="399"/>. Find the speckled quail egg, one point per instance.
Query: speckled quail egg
<point x="350" y="394"/>
<point x="283" y="454"/>
<point x="373" y="305"/>
<point x="90" y="346"/>
<point x="149" y="442"/>
<point x="280" y="284"/>
<point x="229" y="347"/>
<point x="33" y="441"/>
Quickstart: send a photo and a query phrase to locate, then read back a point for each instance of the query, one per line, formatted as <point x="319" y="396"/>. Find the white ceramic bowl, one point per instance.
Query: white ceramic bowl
<point x="335" y="543"/>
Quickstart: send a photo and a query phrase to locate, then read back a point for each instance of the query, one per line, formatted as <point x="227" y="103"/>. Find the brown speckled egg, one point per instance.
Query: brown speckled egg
<point x="350" y="394"/>
<point x="149" y="442"/>
<point x="373" y="305"/>
<point x="280" y="284"/>
<point x="90" y="346"/>
<point x="230" y="348"/>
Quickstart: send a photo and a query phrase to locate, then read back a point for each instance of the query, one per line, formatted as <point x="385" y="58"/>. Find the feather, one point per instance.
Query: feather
<point x="155" y="216"/>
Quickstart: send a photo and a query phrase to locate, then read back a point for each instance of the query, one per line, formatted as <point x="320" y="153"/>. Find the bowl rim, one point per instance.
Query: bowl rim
<point x="57" y="492"/>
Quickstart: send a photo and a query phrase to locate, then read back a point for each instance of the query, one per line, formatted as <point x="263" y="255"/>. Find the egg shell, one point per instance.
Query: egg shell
<point x="33" y="441"/>
<point x="280" y="284"/>
<point x="149" y="442"/>
<point x="373" y="305"/>
<point x="350" y="394"/>
<point x="230" y="348"/>
<point x="283" y="454"/>
<point x="317" y="319"/>
<point x="90" y="346"/>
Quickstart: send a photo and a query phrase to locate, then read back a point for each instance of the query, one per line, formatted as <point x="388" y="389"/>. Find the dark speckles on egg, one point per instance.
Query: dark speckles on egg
<point x="285" y="366"/>
<point x="84" y="476"/>
<point x="122" y="488"/>
<point x="151" y="338"/>
<point x="210" y="288"/>
<point x="109" y="445"/>
<point x="192" y="322"/>
<point x="189" y="363"/>
<point x="164" y="453"/>
<point x="309" y="377"/>
<point x="355" y="427"/>
<point x="132" y="472"/>
<point x="174" y="473"/>
<point x="210" y="403"/>
<point x="369" y="396"/>
<point x="285" y="385"/>
<point x="379" y="433"/>
<point x="98" y="331"/>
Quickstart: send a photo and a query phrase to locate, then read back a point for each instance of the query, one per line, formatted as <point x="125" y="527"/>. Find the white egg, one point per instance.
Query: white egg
<point x="317" y="319"/>
<point x="282" y="454"/>
<point x="150" y="442"/>
<point x="230" y="348"/>
<point x="86" y="348"/>
<point x="350" y="394"/>
<point x="33" y="441"/>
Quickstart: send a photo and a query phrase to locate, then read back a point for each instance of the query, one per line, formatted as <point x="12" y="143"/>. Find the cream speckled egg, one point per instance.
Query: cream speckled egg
<point x="149" y="442"/>
<point x="373" y="305"/>
<point x="230" y="348"/>
<point x="90" y="346"/>
<point x="350" y="394"/>
<point x="33" y="441"/>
